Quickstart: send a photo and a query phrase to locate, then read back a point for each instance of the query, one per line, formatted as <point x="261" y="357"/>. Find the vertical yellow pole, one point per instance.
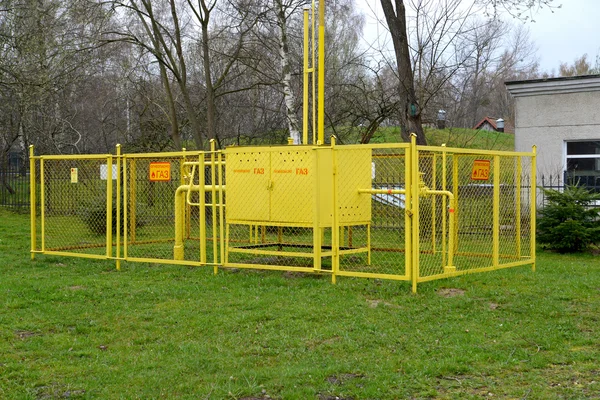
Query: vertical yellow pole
<point x="43" y="203"/>
<point x="317" y="239"/>
<point x="433" y="203"/>
<point x="186" y="226"/>
<point x="414" y="159"/>
<point x="444" y="204"/>
<point x="202" y="202"/>
<point x="455" y="189"/>
<point x="314" y="81"/>
<point x="109" y="193"/>
<point x="321" y="113"/>
<point x="306" y="79"/>
<point x="220" y="160"/>
<point x="408" y="213"/>
<point x="178" y="249"/>
<point x="518" y="207"/>
<point x="213" y="197"/>
<point x="335" y="228"/>
<point x="496" y="223"/>
<point x="32" y="205"/>
<point x="226" y="259"/>
<point x="533" y="205"/>
<point x="118" y="247"/>
<point x="125" y="208"/>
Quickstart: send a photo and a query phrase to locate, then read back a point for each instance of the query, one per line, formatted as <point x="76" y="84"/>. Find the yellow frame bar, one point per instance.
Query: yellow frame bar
<point x="32" y="201"/>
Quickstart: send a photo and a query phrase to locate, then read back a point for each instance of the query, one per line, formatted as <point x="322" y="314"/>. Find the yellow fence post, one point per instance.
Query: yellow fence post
<point x="496" y="214"/>
<point x="414" y="167"/>
<point x="533" y="205"/>
<point x="444" y="204"/>
<point x="433" y="203"/>
<point x="221" y="206"/>
<point x="213" y="202"/>
<point x="125" y="208"/>
<point x="518" y="208"/>
<point x="118" y="222"/>
<point x="43" y="204"/>
<point x="32" y="204"/>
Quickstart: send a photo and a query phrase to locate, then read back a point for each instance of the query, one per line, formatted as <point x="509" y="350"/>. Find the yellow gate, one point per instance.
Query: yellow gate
<point x="390" y="211"/>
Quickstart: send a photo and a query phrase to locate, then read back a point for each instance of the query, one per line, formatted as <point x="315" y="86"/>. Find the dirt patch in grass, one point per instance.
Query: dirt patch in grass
<point x="451" y="292"/>
<point x="374" y="303"/>
<point x="22" y="334"/>
<point x="342" y="378"/>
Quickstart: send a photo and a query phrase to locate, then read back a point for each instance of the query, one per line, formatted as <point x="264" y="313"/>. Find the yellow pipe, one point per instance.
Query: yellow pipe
<point x="32" y="205"/>
<point x="335" y="228"/>
<point x="321" y="113"/>
<point x="178" y="253"/>
<point x="305" y="82"/>
<point x="314" y="81"/>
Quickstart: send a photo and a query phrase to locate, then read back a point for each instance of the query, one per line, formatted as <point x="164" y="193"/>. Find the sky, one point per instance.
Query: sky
<point x="562" y="36"/>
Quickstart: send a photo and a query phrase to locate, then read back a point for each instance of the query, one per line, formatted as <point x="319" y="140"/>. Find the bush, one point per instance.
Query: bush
<point x="568" y="223"/>
<point x="94" y="214"/>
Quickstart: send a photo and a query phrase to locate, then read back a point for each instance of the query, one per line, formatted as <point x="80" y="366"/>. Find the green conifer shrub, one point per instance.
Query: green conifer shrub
<point x="568" y="223"/>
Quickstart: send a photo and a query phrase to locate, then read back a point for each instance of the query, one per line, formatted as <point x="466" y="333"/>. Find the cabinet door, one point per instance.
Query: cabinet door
<point x="292" y="173"/>
<point x="247" y="183"/>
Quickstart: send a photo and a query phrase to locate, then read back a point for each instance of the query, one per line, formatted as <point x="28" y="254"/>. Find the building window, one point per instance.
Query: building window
<point x="583" y="164"/>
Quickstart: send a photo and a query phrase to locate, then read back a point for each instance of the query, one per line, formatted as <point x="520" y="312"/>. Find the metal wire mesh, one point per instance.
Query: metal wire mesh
<point x="75" y="205"/>
<point x="303" y="208"/>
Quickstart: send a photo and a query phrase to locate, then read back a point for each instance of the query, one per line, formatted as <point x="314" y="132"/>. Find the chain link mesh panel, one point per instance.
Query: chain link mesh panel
<point x="297" y="208"/>
<point x="383" y="234"/>
<point x="75" y="205"/>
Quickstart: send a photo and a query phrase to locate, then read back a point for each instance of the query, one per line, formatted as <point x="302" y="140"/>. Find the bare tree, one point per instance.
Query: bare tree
<point x="396" y="18"/>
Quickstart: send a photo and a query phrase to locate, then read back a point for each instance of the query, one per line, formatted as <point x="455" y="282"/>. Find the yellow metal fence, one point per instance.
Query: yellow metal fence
<point x="393" y="211"/>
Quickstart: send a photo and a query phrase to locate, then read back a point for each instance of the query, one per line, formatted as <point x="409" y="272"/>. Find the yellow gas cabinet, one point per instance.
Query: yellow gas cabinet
<point x="292" y="186"/>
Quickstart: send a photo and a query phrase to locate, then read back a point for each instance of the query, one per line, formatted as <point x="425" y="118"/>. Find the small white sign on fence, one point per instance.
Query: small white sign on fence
<point x="104" y="172"/>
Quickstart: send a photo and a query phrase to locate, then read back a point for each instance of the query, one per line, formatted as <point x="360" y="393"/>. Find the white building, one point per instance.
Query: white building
<point x="562" y="117"/>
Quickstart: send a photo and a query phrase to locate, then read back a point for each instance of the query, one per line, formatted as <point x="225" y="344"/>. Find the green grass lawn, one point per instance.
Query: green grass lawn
<point x="75" y="328"/>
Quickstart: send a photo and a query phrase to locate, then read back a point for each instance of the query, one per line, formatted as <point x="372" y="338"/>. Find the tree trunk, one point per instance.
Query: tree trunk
<point x="286" y="75"/>
<point x="210" y="90"/>
<point x="410" y="111"/>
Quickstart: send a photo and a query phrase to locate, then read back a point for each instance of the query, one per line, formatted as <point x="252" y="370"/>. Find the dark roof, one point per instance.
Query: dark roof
<point x="559" y="79"/>
<point x="489" y="120"/>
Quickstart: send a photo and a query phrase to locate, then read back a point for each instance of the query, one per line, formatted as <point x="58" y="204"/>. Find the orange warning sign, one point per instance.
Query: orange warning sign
<point x="481" y="170"/>
<point x="160" y="171"/>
